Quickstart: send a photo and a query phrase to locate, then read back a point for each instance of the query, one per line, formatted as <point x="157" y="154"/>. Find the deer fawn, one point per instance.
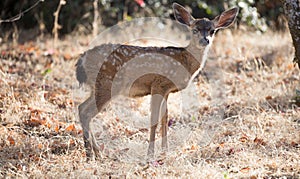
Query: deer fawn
<point x="169" y="70"/>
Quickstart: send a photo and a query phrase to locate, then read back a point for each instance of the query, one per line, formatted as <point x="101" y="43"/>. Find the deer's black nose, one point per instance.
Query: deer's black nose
<point x="204" y="41"/>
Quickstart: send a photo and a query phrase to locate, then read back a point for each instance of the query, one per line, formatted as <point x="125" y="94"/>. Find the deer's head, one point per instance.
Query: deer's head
<point x="204" y="29"/>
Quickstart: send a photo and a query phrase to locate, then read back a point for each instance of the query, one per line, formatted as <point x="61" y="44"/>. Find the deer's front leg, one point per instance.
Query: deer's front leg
<point x="156" y="100"/>
<point x="164" y="123"/>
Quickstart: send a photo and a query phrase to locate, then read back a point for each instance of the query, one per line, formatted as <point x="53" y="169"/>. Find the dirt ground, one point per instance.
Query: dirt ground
<point x="241" y="119"/>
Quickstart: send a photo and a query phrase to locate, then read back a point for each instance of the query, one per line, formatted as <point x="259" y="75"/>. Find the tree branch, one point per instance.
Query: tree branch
<point x="56" y="26"/>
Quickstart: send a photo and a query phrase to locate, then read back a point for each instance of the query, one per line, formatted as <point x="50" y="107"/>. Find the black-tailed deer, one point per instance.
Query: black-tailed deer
<point x="115" y="69"/>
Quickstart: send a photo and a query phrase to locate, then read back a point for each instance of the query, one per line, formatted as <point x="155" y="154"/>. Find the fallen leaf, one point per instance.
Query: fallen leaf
<point x="259" y="141"/>
<point x="129" y="132"/>
<point x="48" y="125"/>
<point x="194" y="147"/>
<point x="11" y="140"/>
<point x="268" y="97"/>
<point x="71" y="128"/>
<point x="71" y="142"/>
<point x="34" y="122"/>
<point x="290" y="66"/>
<point x="40" y="146"/>
<point x="79" y="132"/>
<point x="253" y="177"/>
<point x="222" y="144"/>
<point x="144" y="130"/>
<point x="244" y="138"/>
<point x="56" y="128"/>
<point x="245" y="170"/>
<point x="67" y="56"/>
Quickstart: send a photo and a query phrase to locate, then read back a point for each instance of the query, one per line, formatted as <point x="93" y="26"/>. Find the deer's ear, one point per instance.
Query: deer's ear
<point x="226" y="18"/>
<point x="182" y="15"/>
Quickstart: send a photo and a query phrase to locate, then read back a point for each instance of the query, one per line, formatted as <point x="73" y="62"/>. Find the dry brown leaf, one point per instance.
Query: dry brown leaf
<point x="222" y="144"/>
<point x="259" y="141"/>
<point x="194" y="147"/>
<point x="290" y="67"/>
<point x="40" y="146"/>
<point x="71" y="142"/>
<point x="79" y="131"/>
<point x="48" y="125"/>
<point x="129" y="132"/>
<point x="67" y="56"/>
<point x="34" y="122"/>
<point x="11" y="140"/>
<point x="71" y="128"/>
<point x="244" y="138"/>
<point x="245" y="170"/>
<point x="56" y="128"/>
<point x="253" y="177"/>
<point x="268" y="97"/>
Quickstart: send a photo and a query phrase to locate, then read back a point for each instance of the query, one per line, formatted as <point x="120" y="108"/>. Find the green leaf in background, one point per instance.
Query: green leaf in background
<point x="128" y="18"/>
<point x="47" y="71"/>
<point x="193" y="118"/>
<point x="225" y="174"/>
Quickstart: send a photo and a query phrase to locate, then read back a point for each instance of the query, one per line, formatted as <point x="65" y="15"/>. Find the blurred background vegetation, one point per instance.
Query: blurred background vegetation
<point x="78" y="15"/>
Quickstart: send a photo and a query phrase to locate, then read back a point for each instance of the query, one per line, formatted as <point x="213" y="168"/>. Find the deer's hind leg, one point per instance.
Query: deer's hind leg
<point x="87" y="110"/>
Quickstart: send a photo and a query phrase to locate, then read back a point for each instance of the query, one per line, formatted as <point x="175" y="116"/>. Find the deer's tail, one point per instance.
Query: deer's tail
<point x="80" y="72"/>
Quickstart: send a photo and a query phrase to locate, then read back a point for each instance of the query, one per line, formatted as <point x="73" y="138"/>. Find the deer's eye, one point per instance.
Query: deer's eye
<point x="195" y="31"/>
<point x="211" y="32"/>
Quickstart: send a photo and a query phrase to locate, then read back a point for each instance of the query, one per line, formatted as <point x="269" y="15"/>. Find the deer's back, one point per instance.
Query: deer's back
<point x="134" y="68"/>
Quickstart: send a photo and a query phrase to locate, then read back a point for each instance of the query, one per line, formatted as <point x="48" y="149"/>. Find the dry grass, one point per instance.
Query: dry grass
<point x="239" y="121"/>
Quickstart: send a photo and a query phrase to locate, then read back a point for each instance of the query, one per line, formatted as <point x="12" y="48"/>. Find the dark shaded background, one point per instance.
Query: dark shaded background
<point x="258" y="14"/>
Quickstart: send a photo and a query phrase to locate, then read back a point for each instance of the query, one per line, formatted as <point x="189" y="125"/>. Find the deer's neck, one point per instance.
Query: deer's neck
<point x="195" y="52"/>
<point x="200" y="54"/>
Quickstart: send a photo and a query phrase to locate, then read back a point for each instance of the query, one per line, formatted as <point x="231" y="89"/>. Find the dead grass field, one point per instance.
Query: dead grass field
<point x="244" y="121"/>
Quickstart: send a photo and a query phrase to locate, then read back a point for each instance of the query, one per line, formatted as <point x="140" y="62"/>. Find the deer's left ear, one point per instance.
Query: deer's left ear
<point x="226" y="18"/>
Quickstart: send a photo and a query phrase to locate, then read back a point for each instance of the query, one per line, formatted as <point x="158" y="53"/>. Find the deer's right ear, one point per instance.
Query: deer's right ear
<point x="182" y="15"/>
